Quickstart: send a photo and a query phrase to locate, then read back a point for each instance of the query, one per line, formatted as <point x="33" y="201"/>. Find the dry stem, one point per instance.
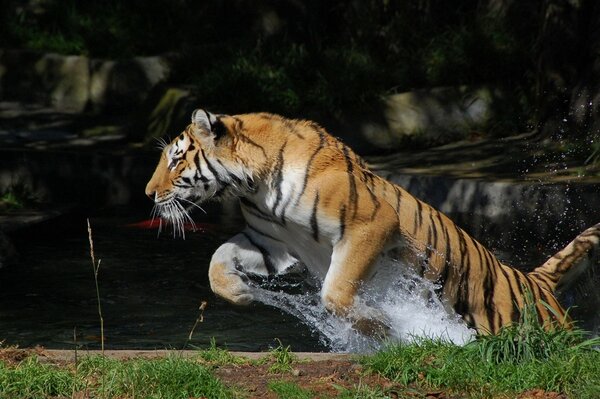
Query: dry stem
<point x="95" y="268"/>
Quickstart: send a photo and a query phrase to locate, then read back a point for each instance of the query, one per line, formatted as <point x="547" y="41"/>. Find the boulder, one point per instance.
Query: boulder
<point x="120" y="85"/>
<point x="65" y="79"/>
<point x="73" y="83"/>
<point x="430" y="116"/>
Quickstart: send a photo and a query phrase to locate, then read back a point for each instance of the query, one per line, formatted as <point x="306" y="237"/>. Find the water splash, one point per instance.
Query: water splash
<point x="408" y="302"/>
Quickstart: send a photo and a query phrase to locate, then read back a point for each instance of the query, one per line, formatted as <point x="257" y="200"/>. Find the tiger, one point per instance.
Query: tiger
<point x="309" y="200"/>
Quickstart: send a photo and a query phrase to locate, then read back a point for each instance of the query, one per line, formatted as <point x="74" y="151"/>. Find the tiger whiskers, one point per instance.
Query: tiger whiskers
<point x="161" y="143"/>
<point x="193" y="204"/>
<point x="176" y="215"/>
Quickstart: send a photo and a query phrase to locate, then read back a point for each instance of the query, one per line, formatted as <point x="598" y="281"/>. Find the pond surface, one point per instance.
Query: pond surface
<point x="150" y="287"/>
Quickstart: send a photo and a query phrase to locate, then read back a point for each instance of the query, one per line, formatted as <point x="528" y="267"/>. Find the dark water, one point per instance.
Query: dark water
<point x="150" y="290"/>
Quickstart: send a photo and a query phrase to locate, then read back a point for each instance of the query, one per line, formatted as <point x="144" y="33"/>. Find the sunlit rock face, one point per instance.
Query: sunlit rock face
<point x="74" y="83"/>
<point x="427" y="116"/>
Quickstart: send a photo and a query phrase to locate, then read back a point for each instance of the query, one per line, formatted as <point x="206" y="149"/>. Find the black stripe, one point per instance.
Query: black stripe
<point x="309" y="164"/>
<point x="462" y="305"/>
<point x="291" y="126"/>
<point x="374" y="199"/>
<point x="433" y="230"/>
<point x="314" y="223"/>
<point x="210" y="167"/>
<point x="418" y="217"/>
<point x="252" y="209"/>
<point x="489" y="286"/>
<point x="248" y="140"/>
<point x="199" y="175"/>
<point x="342" y="221"/>
<point x="512" y="293"/>
<point x="271" y="269"/>
<point x="278" y="179"/>
<point x="398" y="195"/>
<point x="353" y="200"/>
<point x="284" y="209"/>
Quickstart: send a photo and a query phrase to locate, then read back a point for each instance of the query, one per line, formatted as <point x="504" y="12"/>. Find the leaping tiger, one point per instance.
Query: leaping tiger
<point x="309" y="199"/>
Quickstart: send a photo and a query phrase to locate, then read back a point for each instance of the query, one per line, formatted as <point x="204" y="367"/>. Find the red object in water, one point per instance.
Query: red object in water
<point x="155" y="223"/>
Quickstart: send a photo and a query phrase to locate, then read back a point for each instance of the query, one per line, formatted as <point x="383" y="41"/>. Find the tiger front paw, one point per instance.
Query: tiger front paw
<point x="230" y="285"/>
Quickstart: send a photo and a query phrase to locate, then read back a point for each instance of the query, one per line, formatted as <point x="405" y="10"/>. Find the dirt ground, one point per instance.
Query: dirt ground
<point x="324" y="375"/>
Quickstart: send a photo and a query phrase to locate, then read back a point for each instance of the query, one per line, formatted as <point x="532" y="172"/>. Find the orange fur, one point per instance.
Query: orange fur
<point x="301" y="188"/>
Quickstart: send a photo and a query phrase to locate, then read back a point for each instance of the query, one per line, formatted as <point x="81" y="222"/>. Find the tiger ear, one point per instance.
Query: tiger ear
<point x="203" y="119"/>
<point x="208" y="122"/>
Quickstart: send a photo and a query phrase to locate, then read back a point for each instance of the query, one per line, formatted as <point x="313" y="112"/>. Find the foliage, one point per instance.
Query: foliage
<point x="295" y="58"/>
<point x="17" y="196"/>
<point x="553" y="360"/>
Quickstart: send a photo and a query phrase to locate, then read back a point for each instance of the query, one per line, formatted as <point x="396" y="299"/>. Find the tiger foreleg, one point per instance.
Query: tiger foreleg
<point x="230" y="266"/>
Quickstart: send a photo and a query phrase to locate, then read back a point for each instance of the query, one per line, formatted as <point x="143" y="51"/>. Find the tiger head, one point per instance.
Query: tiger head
<point x="196" y="166"/>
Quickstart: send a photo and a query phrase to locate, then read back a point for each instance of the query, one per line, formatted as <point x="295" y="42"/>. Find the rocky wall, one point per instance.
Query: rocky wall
<point x="76" y="83"/>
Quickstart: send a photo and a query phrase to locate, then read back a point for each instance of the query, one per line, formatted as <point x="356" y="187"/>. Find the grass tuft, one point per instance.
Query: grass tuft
<point x="530" y="340"/>
<point x="289" y="390"/>
<point x="219" y="357"/>
<point x="283" y="359"/>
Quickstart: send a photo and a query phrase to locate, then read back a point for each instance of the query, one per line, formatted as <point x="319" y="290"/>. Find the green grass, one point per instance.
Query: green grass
<point x="170" y="377"/>
<point x="559" y="362"/>
<point x="219" y="357"/>
<point x="283" y="359"/>
<point x="289" y="390"/>
<point x="524" y="355"/>
<point x="529" y="340"/>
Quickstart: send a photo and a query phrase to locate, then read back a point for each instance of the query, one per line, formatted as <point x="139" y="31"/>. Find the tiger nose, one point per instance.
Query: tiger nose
<point x="151" y="194"/>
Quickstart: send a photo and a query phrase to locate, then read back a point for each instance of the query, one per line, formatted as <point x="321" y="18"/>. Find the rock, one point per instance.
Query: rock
<point x="435" y="115"/>
<point x="120" y="85"/>
<point x="65" y="79"/>
<point x="167" y="112"/>
<point x="72" y="83"/>
<point x="49" y="79"/>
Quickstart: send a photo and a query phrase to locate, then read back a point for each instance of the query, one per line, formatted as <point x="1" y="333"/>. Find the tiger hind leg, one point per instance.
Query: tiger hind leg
<point x="353" y="262"/>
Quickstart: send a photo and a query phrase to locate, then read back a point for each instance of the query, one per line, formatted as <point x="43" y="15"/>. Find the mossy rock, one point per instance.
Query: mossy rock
<point x="166" y="113"/>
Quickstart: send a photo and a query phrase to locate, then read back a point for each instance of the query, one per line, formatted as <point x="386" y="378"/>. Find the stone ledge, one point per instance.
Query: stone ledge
<point x="62" y="355"/>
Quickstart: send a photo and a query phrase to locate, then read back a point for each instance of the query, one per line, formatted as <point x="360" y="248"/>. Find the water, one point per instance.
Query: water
<point x="151" y="288"/>
<point x="407" y="303"/>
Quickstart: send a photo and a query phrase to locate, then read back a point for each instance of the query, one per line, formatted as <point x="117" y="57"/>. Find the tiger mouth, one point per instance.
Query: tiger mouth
<point x="175" y="214"/>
